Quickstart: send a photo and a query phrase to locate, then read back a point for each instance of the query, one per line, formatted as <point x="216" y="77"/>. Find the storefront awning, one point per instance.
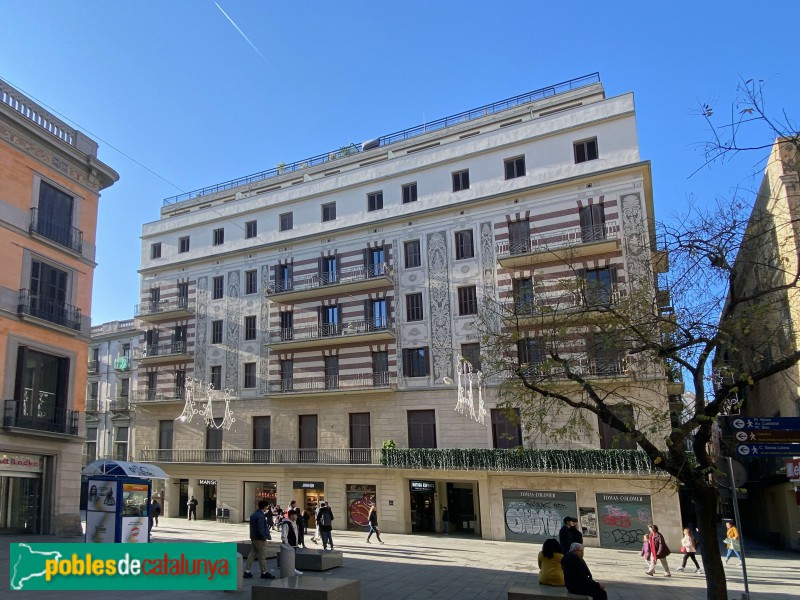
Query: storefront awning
<point x="121" y="468"/>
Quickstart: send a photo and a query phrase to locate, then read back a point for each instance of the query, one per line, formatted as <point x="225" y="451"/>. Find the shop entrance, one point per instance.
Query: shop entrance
<point x="312" y="493"/>
<point x="461" y="505"/>
<point x="360" y="498"/>
<point x="209" y="498"/>
<point x="255" y="491"/>
<point x="20" y="504"/>
<point x="183" y="497"/>
<point x="423" y="506"/>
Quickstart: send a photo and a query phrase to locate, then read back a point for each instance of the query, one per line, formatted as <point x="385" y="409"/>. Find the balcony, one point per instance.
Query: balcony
<point x="63" y="234"/>
<point x="549" y="308"/>
<point x="358" y="331"/>
<point x="335" y="384"/>
<point x="288" y="456"/>
<point x="345" y="281"/>
<point x="120" y="405"/>
<point x="93" y="367"/>
<point x="168" y="309"/>
<point x="41" y="415"/>
<point x="92" y="405"/>
<point x="562" y="245"/>
<point x="157" y="395"/>
<point x="122" y="363"/>
<point x="49" y="310"/>
<point x="156" y="354"/>
<point x="611" y="367"/>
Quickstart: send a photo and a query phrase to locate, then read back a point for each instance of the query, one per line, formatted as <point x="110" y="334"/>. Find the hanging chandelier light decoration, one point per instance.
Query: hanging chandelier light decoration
<point x="203" y="393"/>
<point x="467" y="382"/>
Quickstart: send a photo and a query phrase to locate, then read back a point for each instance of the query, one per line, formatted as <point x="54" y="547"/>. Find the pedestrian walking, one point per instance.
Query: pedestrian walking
<point x="569" y="534"/>
<point x="289" y="545"/>
<point x="646" y="551"/>
<point x="325" y="522"/>
<point x="306" y="518"/>
<point x="155" y="509"/>
<point x="549" y="559"/>
<point x="732" y="542"/>
<point x="259" y="534"/>
<point x="578" y="577"/>
<point x="445" y="520"/>
<point x="689" y="550"/>
<point x="373" y="525"/>
<point x="315" y="537"/>
<point x="658" y="551"/>
<point x="192" y="504"/>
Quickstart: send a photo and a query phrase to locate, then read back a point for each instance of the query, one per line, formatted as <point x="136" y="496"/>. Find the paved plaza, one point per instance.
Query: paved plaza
<point x="437" y="567"/>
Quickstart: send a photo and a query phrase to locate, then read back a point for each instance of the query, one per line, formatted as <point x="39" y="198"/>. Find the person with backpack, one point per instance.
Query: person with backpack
<point x="325" y="522"/>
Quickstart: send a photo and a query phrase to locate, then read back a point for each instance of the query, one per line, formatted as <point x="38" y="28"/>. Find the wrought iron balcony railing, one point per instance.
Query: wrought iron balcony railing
<point x="40" y="414"/>
<point x="561" y="238"/>
<point x="160" y="350"/>
<point x="321" y="456"/>
<point x="340" y="276"/>
<point x="591" y="297"/>
<point x="162" y="306"/>
<point x="157" y="394"/>
<point x="359" y="381"/>
<point x="92" y="367"/>
<point x="327" y="330"/>
<point x="63" y="234"/>
<point x="49" y="309"/>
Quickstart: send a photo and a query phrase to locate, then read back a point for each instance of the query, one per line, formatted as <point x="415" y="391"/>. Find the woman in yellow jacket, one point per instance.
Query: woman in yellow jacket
<point x="550" y="571"/>
<point x="732" y="541"/>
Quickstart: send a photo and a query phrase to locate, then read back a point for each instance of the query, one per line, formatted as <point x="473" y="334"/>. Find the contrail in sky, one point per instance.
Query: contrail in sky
<point x="242" y="33"/>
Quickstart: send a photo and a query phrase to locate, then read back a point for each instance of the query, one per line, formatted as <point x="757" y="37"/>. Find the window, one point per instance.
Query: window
<point x="249" y="375"/>
<point x="121" y="443"/>
<point x="328" y="211"/>
<point x="330" y="319"/>
<point x="376" y="315"/>
<point x="414" y="311"/>
<point x="422" y="429"/>
<point x="331" y="372"/>
<point x="415" y="362"/>
<point x="329" y="269"/>
<point x="217" y="287"/>
<point x="585" y="150"/>
<point x="360" y="435"/>
<point x="308" y="431"/>
<point x="216" y="376"/>
<point x="530" y="351"/>
<point x="183" y="244"/>
<point x="152" y="385"/>
<point x="523" y="296"/>
<point x="90" y="449"/>
<point x="41" y="391"/>
<point x="413" y="256"/>
<point x="613" y="439"/>
<point x="93" y="387"/>
<point x="600" y="286"/>
<point x="124" y="387"/>
<point x="179" y="335"/>
<point x="461" y="180"/>
<point x="180" y="383"/>
<point x="219" y="236"/>
<point x="467" y="300"/>
<point x="519" y="237"/>
<point x="286" y="221"/>
<point x="593" y="221"/>
<point x="155" y="250"/>
<point x="261" y="433"/>
<point x="464" y="246"/>
<point x="605" y="354"/>
<point x="506" y="432"/>
<point x="409" y="193"/>
<point x="183" y="294"/>
<point x="286" y="324"/>
<point x="155" y="296"/>
<point x="283" y="278"/>
<point x="374" y="201"/>
<point x="251" y="282"/>
<point x="249" y="327"/>
<point x="47" y="296"/>
<point x="126" y="350"/>
<point x="472" y="353"/>
<point x="515" y="167"/>
<point x="214" y="441"/>
<point x="165" y="437"/>
<point x="216" y="332"/>
<point x="287" y="374"/>
<point x="380" y="368"/>
<point x="52" y="218"/>
<point x="376" y="261"/>
<point x="250" y="229"/>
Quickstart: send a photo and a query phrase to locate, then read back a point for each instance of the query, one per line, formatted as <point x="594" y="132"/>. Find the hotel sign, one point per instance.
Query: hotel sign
<point x="422" y="486"/>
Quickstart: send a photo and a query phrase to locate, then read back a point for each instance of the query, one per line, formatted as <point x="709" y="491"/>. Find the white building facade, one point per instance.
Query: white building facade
<point x="331" y="298"/>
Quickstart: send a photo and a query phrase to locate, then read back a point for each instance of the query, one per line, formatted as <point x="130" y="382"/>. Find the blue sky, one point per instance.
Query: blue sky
<point x="176" y="87"/>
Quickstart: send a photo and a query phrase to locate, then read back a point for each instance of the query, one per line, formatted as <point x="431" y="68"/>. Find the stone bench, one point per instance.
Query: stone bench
<point x="534" y="591"/>
<point x="308" y="588"/>
<point x="309" y="559"/>
<point x="243" y="548"/>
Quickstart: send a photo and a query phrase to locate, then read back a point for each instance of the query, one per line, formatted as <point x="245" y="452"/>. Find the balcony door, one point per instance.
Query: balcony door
<point x="376" y="262"/>
<point x="360" y="438"/>
<point x="377" y="314"/>
<point x="380" y="368"/>
<point x="55" y="214"/>
<point x="214" y="442"/>
<point x="329" y="270"/>
<point x="330" y="320"/>
<point x="519" y="237"/>
<point x="165" y="440"/>
<point x="308" y="438"/>
<point x="593" y="221"/>
<point x="41" y="390"/>
<point x="48" y="292"/>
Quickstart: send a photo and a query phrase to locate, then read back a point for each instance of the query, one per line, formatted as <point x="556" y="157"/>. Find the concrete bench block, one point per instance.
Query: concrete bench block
<point x="308" y="588"/>
<point x="308" y="559"/>
<point x="243" y="548"/>
<point x="534" y="591"/>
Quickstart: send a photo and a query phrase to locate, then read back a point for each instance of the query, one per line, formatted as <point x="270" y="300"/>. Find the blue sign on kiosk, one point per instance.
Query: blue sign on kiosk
<point x="118" y="501"/>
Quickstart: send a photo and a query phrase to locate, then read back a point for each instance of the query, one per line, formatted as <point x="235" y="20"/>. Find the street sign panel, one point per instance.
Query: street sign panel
<point x="767" y="423"/>
<point x="768" y="436"/>
<point x="755" y="450"/>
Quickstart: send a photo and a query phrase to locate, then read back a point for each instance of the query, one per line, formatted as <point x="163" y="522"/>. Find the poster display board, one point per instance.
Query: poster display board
<point x="117" y="510"/>
<point x="360" y="498"/>
<point x="535" y="515"/>
<point x="587" y="521"/>
<point x="623" y="519"/>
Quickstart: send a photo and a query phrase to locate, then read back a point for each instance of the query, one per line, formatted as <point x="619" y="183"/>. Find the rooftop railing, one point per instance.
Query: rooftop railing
<point x="33" y="112"/>
<point x="462" y="117"/>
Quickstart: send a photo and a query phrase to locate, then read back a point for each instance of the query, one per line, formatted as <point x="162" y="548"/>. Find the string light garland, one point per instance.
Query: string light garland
<point x="201" y="392"/>
<point x="467" y="382"/>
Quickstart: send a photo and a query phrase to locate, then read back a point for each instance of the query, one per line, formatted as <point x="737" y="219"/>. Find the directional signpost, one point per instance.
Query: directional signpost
<point x="767" y="436"/>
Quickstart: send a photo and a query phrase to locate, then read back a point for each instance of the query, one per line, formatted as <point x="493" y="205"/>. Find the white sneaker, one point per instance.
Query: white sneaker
<point x="679" y="569"/>
<point x="296" y="572"/>
<point x="699" y="571"/>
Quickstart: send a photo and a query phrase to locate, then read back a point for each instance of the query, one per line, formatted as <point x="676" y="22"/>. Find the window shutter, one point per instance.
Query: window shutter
<point x="405" y="362"/>
<point x="339" y="312"/>
<point x="585" y="214"/>
<point x="367" y="312"/>
<point x="319" y="315"/>
<point x="613" y="271"/>
<point x="426" y="358"/>
<point x="389" y="318"/>
<point x="320" y="264"/>
<point x="366" y="259"/>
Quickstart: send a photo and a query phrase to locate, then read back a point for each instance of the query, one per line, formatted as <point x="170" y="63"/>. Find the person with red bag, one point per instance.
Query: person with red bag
<point x="689" y="549"/>
<point x="658" y="551"/>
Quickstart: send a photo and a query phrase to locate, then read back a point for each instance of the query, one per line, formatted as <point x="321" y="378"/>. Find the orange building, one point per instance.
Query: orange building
<point x="50" y="182"/>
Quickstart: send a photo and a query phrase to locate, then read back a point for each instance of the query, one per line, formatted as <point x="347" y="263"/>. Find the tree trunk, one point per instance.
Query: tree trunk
<point x="705" y="498"/>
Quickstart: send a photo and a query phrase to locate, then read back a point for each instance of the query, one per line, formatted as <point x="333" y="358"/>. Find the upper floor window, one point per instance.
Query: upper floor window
<point x="376" y="261"/>
<point x="585" y="150"/>
<point x="250" y="327"/>
<point x="472" y="354"/>
<point x="421" y="428"/>
<point x="467" y="300"/>
<point x="413" y="256"/>
<point x="249" y="375"/>
<point x="286" y="221"/>
<point x="216" y="332"/>
<point x="219" y="236"/>
<point x="374" y="201"/>
<point x="251" y="282"/>
<point x="611" y="438"/>
<point x="593" y="223"/>
<point x="414" y="310"/>
<point x="599" y="288"/>
<point x="464" y="245"/>
<point x="409" y="193"/>
<point x="329" y="211"/>
<point x="183" y="244"/>
<point x="519" y="237"/>
<point x="217" y="287"/>
<point x="48" y="295"/>
<point x="515" y="167"/>
<point x="461" y="180"/>
<point x="506" y="430"/>
<point x="216" y="376"/>
<point x="155" y="250"/>
<point x="250" y="229"/>
<point x="52" y="218"/>
<point x="415" y="362"/>
<point x="530" y="351"/>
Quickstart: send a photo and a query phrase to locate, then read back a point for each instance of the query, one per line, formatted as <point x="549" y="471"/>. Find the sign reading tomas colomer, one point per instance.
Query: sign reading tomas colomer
<point x="123" y="567"/>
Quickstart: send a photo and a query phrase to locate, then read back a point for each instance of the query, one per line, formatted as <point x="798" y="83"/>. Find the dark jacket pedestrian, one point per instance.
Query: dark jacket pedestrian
<point x="192" y="505"/>
<point x="259" y="534"/>
<point x="373" y="524"/>
<point x="569" y="534"/>
<point x="156" y="511"/>
<point x="578" y="577"/>
<point x="325" y="521"/>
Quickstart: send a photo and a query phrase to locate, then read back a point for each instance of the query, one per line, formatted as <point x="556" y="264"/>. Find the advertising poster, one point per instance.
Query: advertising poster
<point x="360" y="498"/>
<point x="134" y="499"/>
<point x="101" y="496"/>
<point x="533" y="516"/>
<point x="134" y="530"/>
<point x="100" y="527"/>
<point x="587" y="521"/>
<point x="623" y="519"/>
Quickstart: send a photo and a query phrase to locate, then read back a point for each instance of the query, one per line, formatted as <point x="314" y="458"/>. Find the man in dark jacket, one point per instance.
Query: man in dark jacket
<point x="259" y="534"/>
<point x="578" y="577"/>
<point x="325" y="520"/>
<point x="569" y="534"/>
